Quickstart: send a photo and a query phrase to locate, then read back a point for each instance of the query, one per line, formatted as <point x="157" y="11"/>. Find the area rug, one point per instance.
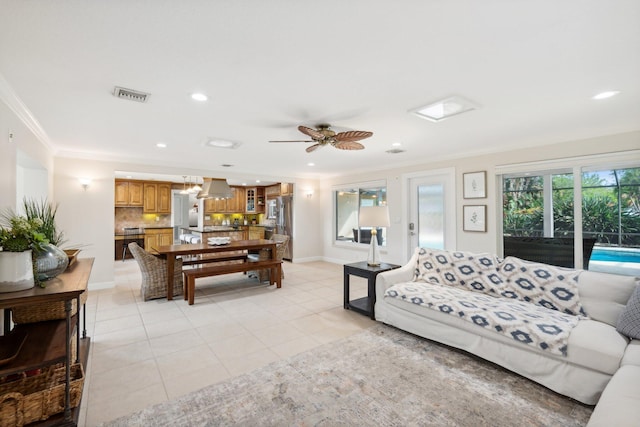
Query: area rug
<point x="379" y="377"/>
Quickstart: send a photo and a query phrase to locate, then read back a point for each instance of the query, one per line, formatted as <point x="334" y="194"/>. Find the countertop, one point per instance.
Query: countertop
<point x="120" y="233"/>
<point x="212" y="228"/>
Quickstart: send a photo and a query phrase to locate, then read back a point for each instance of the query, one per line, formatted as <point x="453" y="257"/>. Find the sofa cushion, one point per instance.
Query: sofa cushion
<point x="632" y="354"/>
<point x="551" y="287"/>
<point x="605" y="295"/>
<point x="584" y="347"/>
<point x="629" y="321"/>
<point x="523" y="322"/>
<point x="473" y="272"/>
<point x="596" y="345"/>
<point x="618" y="406"/>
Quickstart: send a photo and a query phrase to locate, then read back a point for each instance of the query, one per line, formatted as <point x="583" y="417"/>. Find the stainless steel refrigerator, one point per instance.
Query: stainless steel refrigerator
<point x="284" y="221"/>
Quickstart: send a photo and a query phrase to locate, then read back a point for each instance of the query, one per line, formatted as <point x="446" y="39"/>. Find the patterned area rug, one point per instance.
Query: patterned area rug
<point x="379" y="377"/>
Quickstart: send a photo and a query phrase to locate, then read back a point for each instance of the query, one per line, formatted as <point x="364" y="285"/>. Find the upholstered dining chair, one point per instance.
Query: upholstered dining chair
<point x="154" y="274"/>
<point x="282" y="240"/>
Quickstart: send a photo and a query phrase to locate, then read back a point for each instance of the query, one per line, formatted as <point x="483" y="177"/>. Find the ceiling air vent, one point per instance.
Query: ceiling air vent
<point x="130" y="94"/>
<point x="395" y="151"/>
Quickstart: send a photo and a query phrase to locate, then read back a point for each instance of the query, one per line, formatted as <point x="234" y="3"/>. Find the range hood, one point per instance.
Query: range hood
<point x="215" y="188"/>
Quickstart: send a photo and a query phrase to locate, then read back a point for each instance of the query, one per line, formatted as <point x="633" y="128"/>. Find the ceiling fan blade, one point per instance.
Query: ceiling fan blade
<point x="348" y="145"/>
<point x="311" y="132"/>
<point x="296" y="140"/>
<point x="314" y="147"/>
<point x="352" y="135"/>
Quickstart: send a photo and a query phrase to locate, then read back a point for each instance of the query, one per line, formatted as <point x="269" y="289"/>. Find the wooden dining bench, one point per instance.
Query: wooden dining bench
<point x="192" y="274"/>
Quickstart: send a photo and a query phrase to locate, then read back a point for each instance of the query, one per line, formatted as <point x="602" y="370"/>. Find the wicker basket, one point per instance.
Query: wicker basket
<point x="38" y="397"/>
<point x="45" y="311"/>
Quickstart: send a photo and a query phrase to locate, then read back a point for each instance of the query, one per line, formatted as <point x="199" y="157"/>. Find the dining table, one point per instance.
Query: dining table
<point x="171" y="252"/>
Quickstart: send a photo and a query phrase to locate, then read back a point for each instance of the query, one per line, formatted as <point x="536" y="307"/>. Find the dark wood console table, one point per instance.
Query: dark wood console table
<point x="49" y="342"/>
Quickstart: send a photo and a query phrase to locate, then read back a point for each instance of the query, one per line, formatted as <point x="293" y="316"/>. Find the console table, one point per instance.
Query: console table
<point x="49" y="342"/>
<point x="366" y="304"/>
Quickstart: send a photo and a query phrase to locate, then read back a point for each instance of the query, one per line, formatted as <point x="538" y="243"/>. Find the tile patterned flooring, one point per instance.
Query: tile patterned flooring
<point x="143" y="353"/>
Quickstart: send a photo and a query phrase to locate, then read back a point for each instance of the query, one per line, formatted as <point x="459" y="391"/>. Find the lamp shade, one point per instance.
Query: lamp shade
<point x="374" y="216"/>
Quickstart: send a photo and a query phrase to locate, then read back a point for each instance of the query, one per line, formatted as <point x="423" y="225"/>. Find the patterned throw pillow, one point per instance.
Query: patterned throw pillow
<point x="629" y="320"/>
<point x="549" y="286"/>
<point x="474" y="272"/>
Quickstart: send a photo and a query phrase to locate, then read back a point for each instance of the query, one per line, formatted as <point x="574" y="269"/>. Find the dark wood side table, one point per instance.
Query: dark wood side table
<point x="366" y="304"/>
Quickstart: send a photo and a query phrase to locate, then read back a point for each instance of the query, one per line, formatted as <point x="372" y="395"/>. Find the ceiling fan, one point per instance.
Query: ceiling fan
<point x="323" y="135"/>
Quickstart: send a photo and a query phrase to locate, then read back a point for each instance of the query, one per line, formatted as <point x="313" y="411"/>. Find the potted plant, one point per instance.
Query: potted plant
<point x="50" y="260"/>
<point x="19" y="239"/>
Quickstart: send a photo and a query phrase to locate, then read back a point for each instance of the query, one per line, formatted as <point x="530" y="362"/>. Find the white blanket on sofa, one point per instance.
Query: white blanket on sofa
<point x="524" y="322"/>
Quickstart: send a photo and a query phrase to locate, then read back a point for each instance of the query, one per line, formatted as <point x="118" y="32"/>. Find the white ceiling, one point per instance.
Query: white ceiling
<point x="269" y="66"/>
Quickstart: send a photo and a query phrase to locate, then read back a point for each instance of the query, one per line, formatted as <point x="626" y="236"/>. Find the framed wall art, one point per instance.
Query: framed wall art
<point x="475" y="185"/>
<point x="474" y="218"/>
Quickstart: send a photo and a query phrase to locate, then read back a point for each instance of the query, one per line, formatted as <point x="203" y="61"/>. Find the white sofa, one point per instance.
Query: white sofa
<point x="595" y="351"/>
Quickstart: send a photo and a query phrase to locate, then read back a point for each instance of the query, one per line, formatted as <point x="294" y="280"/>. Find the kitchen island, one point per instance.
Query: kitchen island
<point x="235" y="233"/>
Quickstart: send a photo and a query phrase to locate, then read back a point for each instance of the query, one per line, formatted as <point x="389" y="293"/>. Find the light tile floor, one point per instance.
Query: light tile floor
<point x="143" y="353"/>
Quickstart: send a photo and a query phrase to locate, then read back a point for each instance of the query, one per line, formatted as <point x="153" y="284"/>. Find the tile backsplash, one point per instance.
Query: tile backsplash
<point x="133" y="217"/>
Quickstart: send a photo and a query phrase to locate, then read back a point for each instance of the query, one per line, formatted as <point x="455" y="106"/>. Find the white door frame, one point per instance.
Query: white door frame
<point x="448" y="176"/>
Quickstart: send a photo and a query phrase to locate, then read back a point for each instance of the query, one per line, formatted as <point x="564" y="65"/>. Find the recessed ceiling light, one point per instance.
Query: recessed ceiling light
<point x="605" y="95"/>
<point x="257" y="180"/>
<point x="244" y="183"/>
<point x="222" y="143"/>
<point x="445" y="108"/>
<point x="396" y="144"/>
<point x="161" y="145"/>
<point x="311" y="164"/>
<point x="199" y="97"/>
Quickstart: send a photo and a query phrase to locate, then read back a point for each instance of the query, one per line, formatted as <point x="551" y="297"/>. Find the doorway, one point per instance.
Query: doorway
<point x="431" y="220"/>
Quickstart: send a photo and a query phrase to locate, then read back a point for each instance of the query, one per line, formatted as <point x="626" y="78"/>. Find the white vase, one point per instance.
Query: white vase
<point x="16" y="271"/>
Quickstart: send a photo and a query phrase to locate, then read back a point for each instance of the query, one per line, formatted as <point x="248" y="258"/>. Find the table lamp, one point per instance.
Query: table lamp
<point x="373" y="216"/>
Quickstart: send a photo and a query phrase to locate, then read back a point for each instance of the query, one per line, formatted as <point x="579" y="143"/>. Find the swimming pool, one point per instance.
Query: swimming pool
<point x="615" y="254"/>
<point x="615" y="260"/>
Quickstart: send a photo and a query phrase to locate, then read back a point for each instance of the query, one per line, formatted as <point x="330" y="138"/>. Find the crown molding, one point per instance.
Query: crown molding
<point x="15" y="104"/>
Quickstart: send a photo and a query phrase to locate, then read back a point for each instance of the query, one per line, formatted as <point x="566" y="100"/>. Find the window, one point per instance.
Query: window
<point x="542" y="205"/>
<point x="348" y="201"/>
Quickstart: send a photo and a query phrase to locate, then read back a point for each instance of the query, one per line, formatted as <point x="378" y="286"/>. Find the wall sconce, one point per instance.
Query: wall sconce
<point x="85" y="182"/>
<point x="309" y="194"/>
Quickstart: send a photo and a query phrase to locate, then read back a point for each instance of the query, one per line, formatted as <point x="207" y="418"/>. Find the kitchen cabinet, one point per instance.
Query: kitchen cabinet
<point x="272" y="191"/>
<point x="286" y="189"/>
<point x="129" y="193"/>
<point x="256" y="233"/>
<point x="154" y="237"/>
<point x="236" y="203"/>
<point x="157" y="197"/>
<point x="233" y="205"/>
<point x="255" y="200"/>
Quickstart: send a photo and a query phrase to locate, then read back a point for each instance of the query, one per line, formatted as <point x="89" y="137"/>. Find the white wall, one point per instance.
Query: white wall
<point x="16" y="181"/>
<point x="397" y="250"/>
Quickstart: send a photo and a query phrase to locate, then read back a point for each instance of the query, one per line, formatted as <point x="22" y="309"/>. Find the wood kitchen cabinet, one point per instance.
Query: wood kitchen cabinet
<point x="236" y="203"/>
<point x="272" y="191"/>
<point x="157" y="197"/>
<point x="255" y="200"/>
<point x="233" y="205"/>
<point x="286" y="189"/>
<point x="154" y="237"/>
<point x="256" y="232"/>
<point x="129" y="193"/>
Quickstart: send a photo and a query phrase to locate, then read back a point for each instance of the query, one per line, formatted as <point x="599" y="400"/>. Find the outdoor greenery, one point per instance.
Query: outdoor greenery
<point x="610" y="206"/>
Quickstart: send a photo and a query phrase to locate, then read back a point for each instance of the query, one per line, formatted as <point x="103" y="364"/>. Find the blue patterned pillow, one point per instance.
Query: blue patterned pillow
<point x="473" y="272"/>
<point x="629" y="320"/>
<point x="552" y="287"/>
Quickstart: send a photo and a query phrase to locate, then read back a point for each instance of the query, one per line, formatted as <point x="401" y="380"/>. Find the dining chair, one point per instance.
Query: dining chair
<point x="282" y="240"/>
<point x="154" y="274"/>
